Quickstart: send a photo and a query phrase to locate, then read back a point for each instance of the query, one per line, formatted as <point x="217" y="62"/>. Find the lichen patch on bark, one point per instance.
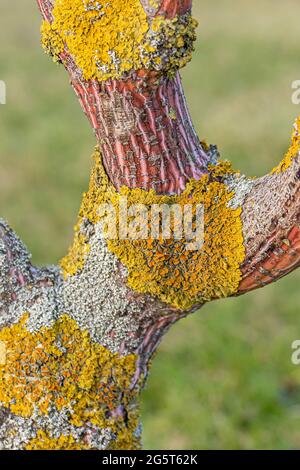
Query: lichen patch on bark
<point x="112" y="38"/>
<point x="166" y="269"/>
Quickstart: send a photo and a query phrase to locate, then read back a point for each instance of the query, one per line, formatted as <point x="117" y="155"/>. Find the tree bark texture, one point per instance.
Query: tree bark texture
<point x="76" y="341"/>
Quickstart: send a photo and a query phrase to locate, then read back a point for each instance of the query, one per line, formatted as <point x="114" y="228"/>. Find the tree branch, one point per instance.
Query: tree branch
<point x="147" y="141"/>
<point x="271" y="227"/>
<point x="142" y="124"/>
<point x="79" y="340"/>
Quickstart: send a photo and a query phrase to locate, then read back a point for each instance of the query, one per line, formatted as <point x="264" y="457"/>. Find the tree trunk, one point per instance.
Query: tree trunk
<point x="76" y="341"/>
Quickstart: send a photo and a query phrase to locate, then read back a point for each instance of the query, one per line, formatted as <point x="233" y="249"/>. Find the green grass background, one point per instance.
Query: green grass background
<point x="223" y="377"/>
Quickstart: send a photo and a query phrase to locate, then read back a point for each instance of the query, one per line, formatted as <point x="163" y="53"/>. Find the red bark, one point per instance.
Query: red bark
<point x="144" y="131"/>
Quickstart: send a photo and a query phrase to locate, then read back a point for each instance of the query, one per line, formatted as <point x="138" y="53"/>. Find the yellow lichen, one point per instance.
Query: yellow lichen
<point x="43" y="441"/>
<point x="293" y="151"/>
<point x="178" y="36"/>
<point x="52" y="42"/>
<point x="125" y="441"/>
<point x="165" y="268"/>
<point x="60" y="367"/>
<point x="223" y="167"/>
<point x="154" y="3"/>
<point x="74" y="261"/>
<point x="111" y="39"/>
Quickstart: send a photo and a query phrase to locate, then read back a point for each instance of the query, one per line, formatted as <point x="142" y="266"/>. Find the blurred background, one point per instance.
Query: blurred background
<point x="222" y="378"/>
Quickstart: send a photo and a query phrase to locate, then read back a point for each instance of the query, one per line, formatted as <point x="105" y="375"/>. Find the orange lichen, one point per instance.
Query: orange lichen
<point x="43" y="441"/>
<point x="52" y="42"/>
<point x="125" y="441"/>
<point x="165" y="268"/>
<point x="60" y="367"/>
<point x="110" y="39"/>
<point x="223" y="167"/>
<point x="293" y="151"/>
<point x="75" y="259"/>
